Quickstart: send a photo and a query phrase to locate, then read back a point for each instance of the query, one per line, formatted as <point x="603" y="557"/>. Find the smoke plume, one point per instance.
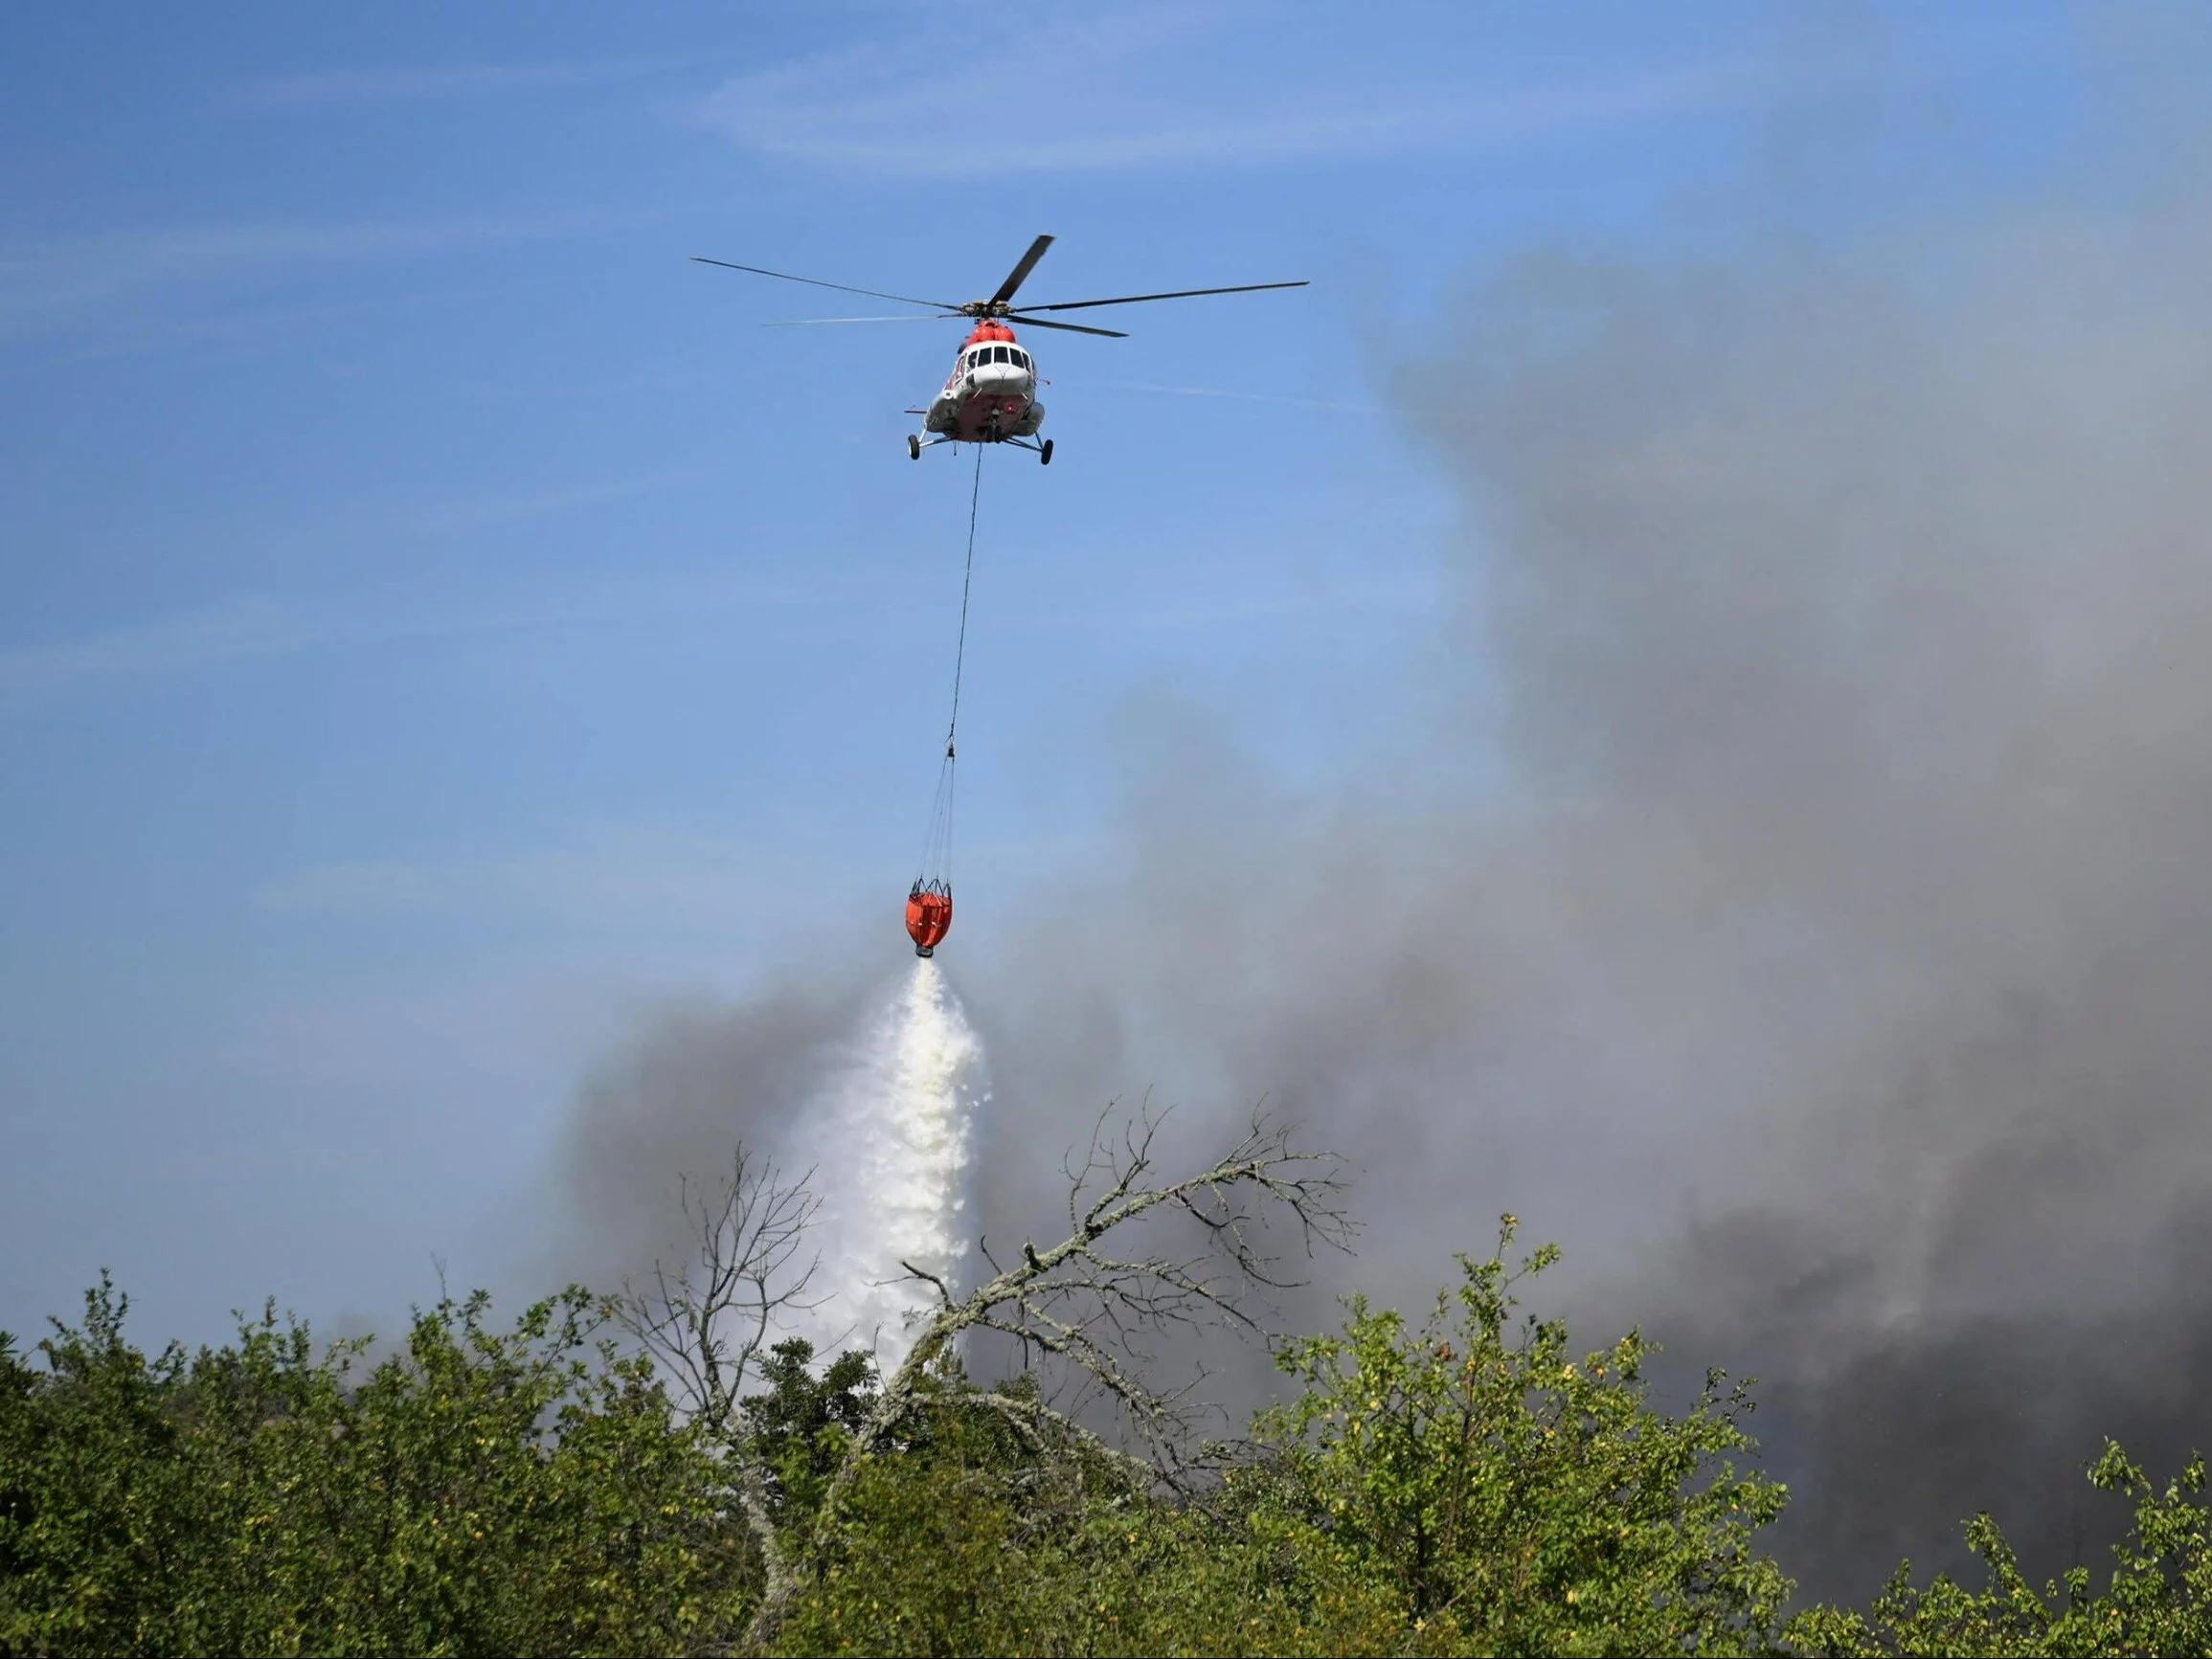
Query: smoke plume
<point x="1800" y="909"/>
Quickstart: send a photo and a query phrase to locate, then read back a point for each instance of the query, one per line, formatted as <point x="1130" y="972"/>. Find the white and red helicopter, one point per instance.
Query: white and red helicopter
<point x="991" y="395"/>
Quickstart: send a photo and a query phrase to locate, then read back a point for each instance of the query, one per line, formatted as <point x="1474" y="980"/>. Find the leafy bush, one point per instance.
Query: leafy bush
<point x="2157" y="1600"/>
<point x="1518" y="1501"/>
<point x="479" y="1491"/>
<point x="1463" y="1485"/>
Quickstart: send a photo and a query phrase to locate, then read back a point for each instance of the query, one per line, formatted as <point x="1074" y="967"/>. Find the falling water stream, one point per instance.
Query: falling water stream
<point x="890" y="1139"/>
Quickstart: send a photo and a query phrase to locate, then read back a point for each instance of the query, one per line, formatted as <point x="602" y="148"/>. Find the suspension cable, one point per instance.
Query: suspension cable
<point x="938" y="844"/>
<point x="967" y="576"/>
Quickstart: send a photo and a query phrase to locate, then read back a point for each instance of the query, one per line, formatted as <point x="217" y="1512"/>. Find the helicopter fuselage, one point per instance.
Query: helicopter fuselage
<point x="991" y="397"/>
<point x="991" y="394"/>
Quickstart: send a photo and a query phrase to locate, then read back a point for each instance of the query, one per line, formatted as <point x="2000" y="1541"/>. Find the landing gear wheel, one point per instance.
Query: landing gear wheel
<point x="1045" y="454"/>
<point x="912" y="447"/>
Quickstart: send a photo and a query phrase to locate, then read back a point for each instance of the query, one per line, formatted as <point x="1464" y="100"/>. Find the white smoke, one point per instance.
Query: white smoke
<point x="889" y="1136"/>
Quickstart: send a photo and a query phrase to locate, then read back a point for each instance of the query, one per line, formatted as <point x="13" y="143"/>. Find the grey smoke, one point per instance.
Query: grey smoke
<point x="696" y="1081"/>
<point x="1801" y="911"/>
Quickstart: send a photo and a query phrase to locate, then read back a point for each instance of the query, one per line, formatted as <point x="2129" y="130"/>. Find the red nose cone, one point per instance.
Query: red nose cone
<point x="929" y="915"/>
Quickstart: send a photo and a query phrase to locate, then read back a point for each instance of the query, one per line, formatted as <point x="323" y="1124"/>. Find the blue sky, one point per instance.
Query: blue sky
<point x="439" y="622"/>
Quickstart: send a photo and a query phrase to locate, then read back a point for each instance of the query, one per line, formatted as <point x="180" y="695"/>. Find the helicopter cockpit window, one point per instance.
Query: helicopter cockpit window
<point x="997" y="354"/>
<point x="1021" y="359"/>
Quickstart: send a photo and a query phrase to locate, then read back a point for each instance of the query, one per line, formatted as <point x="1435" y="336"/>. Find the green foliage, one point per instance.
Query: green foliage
<point x="977" y="1536"/>
<point x="1461" y="1487"/>
<point x="1517" y="1500"/>
<point x="937" y="1547"/>
<point x="480" y="1491"/>
<point x="2158" y="1599"/>
<point x="800" y="1428"/>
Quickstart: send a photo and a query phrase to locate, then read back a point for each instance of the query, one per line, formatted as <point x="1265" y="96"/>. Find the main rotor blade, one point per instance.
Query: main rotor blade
<point x="902" y="316"/>
<point x="1030" y="322"/>
<point x="817" y="281"/>
<point x="1179" y="293"/>
<point x="1021" y="271"/>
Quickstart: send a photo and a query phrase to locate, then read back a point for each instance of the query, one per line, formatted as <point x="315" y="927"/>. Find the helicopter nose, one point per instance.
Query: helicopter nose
<point x="1001" y="377"/>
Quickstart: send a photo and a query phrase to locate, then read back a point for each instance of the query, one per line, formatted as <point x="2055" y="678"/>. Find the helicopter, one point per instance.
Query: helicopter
<point x="991" y="394"/>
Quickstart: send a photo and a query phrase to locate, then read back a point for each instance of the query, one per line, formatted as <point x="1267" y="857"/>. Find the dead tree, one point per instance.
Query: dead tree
<point x="707" y="1321"/>
<point x="1095" y="1306"/>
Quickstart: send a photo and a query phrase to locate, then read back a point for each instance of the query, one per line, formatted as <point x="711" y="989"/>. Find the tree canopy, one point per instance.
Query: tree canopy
<point x="1463" y="1482"/>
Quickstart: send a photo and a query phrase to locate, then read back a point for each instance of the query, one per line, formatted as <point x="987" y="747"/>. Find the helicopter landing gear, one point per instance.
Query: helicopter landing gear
<point x="1045" y="454"/>
<point x="912" y="447"/>
<point x="1042" y="451"/>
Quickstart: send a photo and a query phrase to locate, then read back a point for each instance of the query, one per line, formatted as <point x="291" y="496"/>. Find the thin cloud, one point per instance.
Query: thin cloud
<point x="609" y="877"/>
<point x="500" y="506"/>
<point x="658" y="905"/>
<point x="223" y="633"/>
<point x="424" y="84"/>
<point x="49" y="284"/>
<point x="1119" y="94"/>
<point x="250" y="627"/>
<point x="1328" y="403"/>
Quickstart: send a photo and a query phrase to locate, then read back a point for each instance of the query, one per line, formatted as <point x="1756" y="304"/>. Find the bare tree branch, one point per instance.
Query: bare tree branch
<point x="706" y="1321"/>
<point x="1095" y="1312"/>
<point x="1029" y="1416"/>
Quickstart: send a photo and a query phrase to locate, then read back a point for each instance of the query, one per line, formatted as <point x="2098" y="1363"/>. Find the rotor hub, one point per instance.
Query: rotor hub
<point x="1001" y="304"/>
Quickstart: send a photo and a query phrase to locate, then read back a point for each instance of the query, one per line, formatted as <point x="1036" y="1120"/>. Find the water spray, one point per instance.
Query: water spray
<point x="891" y="1139"/>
